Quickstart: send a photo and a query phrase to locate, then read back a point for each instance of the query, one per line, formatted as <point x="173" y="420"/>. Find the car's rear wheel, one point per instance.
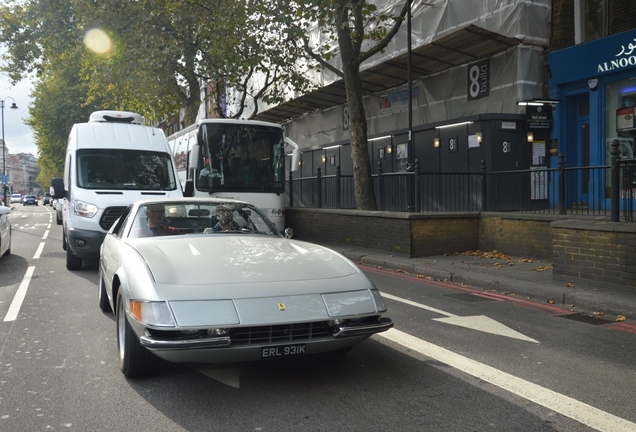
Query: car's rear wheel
<point x="58" y="219"/>
<point x="73" y="262"/>
<point x="104" y="305"/>
<point x="134" y="360"/>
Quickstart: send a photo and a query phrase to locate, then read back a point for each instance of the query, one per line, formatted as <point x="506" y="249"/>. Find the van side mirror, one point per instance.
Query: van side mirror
<point x="188" y="190"/>
<point x="57" y="185"/>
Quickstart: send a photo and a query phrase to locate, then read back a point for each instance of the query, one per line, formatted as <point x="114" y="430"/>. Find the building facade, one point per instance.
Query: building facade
<point x="593" y="75"/>
<point x="512" y="83"/>
<point x="471" y="63"/>
<point x="22" y="170"/>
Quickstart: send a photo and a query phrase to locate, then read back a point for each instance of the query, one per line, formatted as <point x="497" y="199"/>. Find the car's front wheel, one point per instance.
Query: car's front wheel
<point x="134" y="360"/>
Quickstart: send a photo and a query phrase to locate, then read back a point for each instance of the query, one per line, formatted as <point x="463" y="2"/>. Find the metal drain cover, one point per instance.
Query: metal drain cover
<point x="588" y="319"/>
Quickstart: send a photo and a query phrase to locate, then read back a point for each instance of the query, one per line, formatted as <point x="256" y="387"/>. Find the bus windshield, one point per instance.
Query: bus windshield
<point x="240" y="157"/>
<point x="117" y="169"/>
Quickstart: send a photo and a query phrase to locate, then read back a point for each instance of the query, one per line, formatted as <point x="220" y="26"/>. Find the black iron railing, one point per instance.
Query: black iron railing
<point x="608" y="190"/>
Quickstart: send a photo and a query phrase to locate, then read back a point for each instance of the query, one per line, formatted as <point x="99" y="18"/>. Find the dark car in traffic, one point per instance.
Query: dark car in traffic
<point x="29" y="200"/>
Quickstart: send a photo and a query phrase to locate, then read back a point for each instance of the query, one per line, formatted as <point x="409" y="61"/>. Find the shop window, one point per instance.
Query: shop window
<point x="590" y="20"/>
<point x="620" y="124"/>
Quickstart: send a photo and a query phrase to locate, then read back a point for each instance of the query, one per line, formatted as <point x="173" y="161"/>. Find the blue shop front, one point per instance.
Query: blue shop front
<point x="595" y="85"/>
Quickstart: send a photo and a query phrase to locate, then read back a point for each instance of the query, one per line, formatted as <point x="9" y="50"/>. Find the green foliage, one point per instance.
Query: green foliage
<point x="159" y="54"/>
<point x="151" y="56"/>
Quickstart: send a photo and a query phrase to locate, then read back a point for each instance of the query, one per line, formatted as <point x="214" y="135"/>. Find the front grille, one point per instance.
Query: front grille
<point x="280" y="333"/>
<point x="110" y="216"/>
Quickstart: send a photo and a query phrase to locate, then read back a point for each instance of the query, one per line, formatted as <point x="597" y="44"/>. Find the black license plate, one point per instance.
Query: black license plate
<point x="283" y="351"/>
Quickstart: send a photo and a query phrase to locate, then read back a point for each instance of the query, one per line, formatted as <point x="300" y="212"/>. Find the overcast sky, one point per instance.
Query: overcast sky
<point x="18" y="136"/>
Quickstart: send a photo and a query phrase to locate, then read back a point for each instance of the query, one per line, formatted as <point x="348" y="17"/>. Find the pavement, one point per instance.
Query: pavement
<point x="519" y="277"/>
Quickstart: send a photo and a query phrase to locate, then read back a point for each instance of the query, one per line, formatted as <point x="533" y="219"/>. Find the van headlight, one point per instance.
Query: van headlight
<point x="84" y="209"/>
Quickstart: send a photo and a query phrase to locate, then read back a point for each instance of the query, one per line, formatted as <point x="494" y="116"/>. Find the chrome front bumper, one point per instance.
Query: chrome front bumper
<point x="338" y="332"/>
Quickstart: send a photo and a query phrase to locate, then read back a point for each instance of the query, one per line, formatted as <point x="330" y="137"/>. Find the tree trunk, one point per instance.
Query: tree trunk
<point x="363" y="184"/>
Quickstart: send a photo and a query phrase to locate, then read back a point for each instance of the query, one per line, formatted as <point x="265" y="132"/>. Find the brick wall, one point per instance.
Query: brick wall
<point x="599" y="254"/>
<point x="520" y="235"/>
<point x="594" y="253"/>
<point x="401" y="233"/>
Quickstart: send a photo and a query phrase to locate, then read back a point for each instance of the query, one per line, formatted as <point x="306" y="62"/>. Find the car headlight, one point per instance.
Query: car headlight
<point x="155" y="313"/>
<point x="84" y="209"/>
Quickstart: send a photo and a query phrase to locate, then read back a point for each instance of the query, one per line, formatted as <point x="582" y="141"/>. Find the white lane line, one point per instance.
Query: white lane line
<point x="565" y="405"/>
<point x="418" y="305"/>
<point x="39" y="251"/>
<point x="46" y="234"/>
<point x="16" y="304"/>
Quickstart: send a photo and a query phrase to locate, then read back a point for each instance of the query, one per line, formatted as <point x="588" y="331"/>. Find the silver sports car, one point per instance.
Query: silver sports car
<point x="212" y="281"/>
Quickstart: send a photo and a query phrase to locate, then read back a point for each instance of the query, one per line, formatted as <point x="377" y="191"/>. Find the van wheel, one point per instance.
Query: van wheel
<point x="72" y="262"/>
<point x="63" y="241"/>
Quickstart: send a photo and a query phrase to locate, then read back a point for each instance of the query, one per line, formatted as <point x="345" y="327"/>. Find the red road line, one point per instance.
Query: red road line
<point x="556" y="310"/>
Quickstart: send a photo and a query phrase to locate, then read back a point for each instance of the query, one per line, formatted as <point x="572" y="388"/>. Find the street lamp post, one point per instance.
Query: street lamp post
<point x="4" y="146"/>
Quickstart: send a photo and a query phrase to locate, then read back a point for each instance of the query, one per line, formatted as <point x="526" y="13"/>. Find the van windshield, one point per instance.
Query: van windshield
<point x="124" y="169"/>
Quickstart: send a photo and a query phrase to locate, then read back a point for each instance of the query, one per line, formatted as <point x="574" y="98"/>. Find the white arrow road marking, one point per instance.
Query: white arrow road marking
<point x="565" y="405"/>
<point x="480" y="323"/>
<point x="229" y="377"/>
<point x="486" y="325"/>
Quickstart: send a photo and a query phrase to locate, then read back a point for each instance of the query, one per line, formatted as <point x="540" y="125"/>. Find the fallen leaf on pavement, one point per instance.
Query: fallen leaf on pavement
<point x="569" y="284"/>
<point x="551" y="301"/>
<point x="598" y="313"/>
<point x="621" y="318"/>
<point x="542" y="268"/>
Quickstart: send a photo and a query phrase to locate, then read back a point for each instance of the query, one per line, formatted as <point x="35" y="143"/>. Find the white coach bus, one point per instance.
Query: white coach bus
<point x="238" y="159"/>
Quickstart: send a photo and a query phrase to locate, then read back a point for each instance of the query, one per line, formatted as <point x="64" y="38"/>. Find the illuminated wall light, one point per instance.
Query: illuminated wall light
<point x="478" y="136"/>
<point x="324" y="158"/>
<point x="530" y="137"/>
<point x="389" y="149"/>
<point x="436" y="142"/>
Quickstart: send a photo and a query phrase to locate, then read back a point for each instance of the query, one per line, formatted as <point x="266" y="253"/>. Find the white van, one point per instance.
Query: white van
<point x="111" y="162"/>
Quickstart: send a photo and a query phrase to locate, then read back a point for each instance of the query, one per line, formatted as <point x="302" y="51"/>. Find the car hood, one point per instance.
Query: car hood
<point x="238" y="259"/>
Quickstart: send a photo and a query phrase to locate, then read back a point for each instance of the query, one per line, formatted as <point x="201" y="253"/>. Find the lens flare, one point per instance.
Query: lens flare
<point x="98" y="41"/>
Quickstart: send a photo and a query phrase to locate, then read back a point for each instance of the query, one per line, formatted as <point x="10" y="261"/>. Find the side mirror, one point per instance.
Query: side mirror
<point x="188" y="190"/>
<point x="57" y="186"/>
<point x="295" y="153"/>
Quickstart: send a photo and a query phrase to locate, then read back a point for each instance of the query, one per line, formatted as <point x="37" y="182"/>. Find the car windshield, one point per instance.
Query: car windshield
<point x="116" y="169"/>
<point x="205" y="218"/>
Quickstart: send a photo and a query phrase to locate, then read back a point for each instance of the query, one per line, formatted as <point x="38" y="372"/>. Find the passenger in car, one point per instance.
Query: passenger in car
<point x="226" y="222"/>
<point x="154" y="225"/>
